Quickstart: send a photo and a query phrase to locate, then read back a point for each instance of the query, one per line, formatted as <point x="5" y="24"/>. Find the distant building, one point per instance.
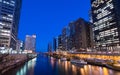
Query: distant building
<point x="64" y="38"/>
<point x="30" y="42"/>
<point x="71" y="37"/>
<point x="77" y="35"/>
<point x="49" y="47"/>
<point x="9" y="21"/>
<point x="60" y="42"/>
<point x="20" y="45"/>
<point x="55" y="44"/>
<point x="81" y="34"/>
<point x="106" y="20"/>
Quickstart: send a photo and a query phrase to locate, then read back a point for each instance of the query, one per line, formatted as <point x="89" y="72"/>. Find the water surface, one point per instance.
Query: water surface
<point x="44" y="65"/>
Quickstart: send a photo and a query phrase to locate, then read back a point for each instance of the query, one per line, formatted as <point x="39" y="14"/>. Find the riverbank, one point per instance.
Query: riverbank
<point x="96" y="62"/>
<point x="105" y="63"/>
<point x="46" y="65"/>
<point x="14" y="60"/>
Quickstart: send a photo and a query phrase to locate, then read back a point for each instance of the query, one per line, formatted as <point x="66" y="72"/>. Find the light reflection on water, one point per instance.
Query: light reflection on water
<point x="43" y="65"/>
<point x="23" y="70"/>
<point x="86" y="70"/>
<point x="28" y="66"/>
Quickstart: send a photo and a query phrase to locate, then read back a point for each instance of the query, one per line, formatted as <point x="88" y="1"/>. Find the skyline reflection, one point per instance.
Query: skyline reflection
<point x="44" y="65"/>
<point x="67" y="67"/>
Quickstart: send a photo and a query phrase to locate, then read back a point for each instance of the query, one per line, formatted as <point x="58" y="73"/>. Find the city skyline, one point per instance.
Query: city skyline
<point x="63" y="37"/>
<point x="37" y="20"/>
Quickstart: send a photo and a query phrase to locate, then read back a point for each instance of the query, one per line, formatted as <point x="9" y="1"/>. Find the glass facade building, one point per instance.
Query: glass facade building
<point x="106" y="20"/>
<point x="55" y="45"/>
<point x="30" y="42"/>
<point x="9" y="20"/>
<point x="65" y="36"/>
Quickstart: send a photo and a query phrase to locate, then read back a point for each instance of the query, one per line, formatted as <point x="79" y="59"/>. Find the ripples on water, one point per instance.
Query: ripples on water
<point x="43" y="65"/>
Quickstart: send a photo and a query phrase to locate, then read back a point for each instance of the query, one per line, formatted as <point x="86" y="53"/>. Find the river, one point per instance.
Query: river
<point x="44" y="65"/>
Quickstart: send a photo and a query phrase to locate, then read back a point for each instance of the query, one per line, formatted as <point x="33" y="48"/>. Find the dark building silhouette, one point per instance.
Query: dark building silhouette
<point x="49" y="47"/>
<point x="65" y="38"/>
<point x="71" y="37"/>
<point x="55" y="44"/>
<point x="80" y="34"/>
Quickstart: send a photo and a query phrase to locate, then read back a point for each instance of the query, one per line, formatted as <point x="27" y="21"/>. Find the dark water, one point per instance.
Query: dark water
<point x="43" y="65"/>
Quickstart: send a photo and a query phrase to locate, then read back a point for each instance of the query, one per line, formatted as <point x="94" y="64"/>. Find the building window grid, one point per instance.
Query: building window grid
<point x="103" y="24"/>
<point x="98" y="25"/>
<point x="108" y="33"/>
<point x="11" y="3"/>
<point x="5" y="24"/>
<point x="104" y="20"/>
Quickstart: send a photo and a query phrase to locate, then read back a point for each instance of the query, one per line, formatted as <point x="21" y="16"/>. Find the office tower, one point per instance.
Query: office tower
<point x="9" y="21"/>
<point x="30" y="42"/>
<point x="55" y="44"/>
<point x="60" y="42"/>
<point x="49" y="47"/>
<point x="81" y="34"/>
<point x="64" y="38"/>
<point x="20" y="45"/>
<point x="106" y="20"/>
<point x="71" y="37"/>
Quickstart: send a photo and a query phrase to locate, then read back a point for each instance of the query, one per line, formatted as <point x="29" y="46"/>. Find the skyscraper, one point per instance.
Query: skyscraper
<point x="60" y="42"/>
<point x="49" y="47"/>
<point x="9" y="21"/>
<point x="64" y="38"/>
<point x="30" y="42"/>
<point x="80" y="34"/>
<point x="55" y="44"/>
<point x="71" y="37"/>
<point x="20" y="45"/>
<point x="106" y="20"/>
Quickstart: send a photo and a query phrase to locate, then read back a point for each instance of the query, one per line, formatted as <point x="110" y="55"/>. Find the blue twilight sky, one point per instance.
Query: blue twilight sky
<point x="46" y="18"/>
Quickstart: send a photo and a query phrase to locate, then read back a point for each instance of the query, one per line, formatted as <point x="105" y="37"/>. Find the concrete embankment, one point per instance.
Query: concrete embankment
<point x="12" y="61"/>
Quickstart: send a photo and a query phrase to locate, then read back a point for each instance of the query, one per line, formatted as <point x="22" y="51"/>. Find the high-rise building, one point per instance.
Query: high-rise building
<point x="9" y="21"/>
<point x="81" y="34"/>
<point x="106" y="20"/>
<point x="20" y="45"/>
<point x="64" y="38"/>
<point x="30" y="42"/>
<point x="49" y="47"/>
<point x="55" y="44"/>
<point x="60" y="42"/>
<point x="71" y="37"/>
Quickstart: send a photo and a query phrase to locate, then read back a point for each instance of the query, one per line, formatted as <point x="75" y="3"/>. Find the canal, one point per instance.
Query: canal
<point x="43" y="65"/>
